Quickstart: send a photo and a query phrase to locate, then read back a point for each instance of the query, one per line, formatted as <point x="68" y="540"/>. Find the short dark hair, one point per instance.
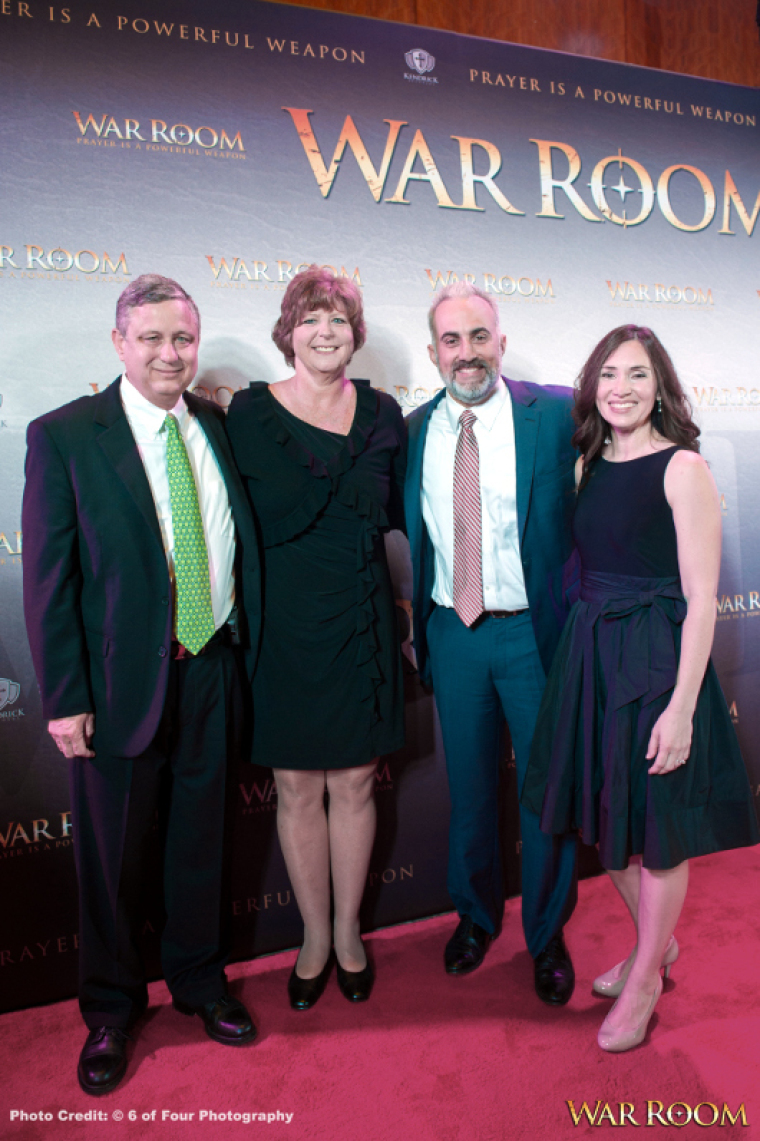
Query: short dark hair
<point x="674" y="421"/>
<point x="317" y="288"/>
<point x="150" y="289"/>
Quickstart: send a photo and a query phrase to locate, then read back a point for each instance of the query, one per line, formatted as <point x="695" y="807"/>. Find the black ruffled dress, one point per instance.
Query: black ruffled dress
<point x="328" y="690"/>
<point x="612" y="677"/>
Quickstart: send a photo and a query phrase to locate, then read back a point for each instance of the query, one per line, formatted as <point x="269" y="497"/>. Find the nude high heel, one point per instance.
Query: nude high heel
<point x="617" y="1041"/>
<point x="610" y="985"/>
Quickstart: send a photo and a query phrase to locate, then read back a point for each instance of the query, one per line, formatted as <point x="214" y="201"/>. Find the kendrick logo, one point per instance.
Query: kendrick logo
<point x="422" y="62"/>
<point x="9" y="691"/>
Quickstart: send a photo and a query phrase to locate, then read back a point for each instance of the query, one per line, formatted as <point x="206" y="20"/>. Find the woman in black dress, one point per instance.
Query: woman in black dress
<point x="634" y="744"/>
<point x="323" y="459"/>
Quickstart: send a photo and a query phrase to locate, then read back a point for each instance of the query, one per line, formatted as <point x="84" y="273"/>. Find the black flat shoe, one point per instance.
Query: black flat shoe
<point x="103" y="1061"/>
<point x="356" y="986"/>
<point x="226" y="1020"/>
<point x="303" y="993"/>
<point x="553" y="972"/>
<point x="466" y="948"/>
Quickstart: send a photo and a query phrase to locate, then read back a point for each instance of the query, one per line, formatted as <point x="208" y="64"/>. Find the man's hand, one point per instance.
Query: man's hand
<point x="73" y="735"/>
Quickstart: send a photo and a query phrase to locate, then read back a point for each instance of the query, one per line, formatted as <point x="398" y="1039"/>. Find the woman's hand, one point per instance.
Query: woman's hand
<point x="670" y="742"/>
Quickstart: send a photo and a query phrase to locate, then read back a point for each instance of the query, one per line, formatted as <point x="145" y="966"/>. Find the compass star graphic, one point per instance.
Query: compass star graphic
<point x="622" y="189"/>
<point x="598" y="189"/>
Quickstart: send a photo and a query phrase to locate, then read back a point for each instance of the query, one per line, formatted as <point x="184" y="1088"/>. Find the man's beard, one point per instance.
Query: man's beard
<point x="472" y="394"/>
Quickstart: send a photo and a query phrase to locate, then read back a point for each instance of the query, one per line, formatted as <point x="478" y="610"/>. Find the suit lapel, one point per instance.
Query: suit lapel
<point x="526" y="419"/>
<point x="118" y="445"/>
<point x="213" y="432"/>
<point x="418" y="427"/>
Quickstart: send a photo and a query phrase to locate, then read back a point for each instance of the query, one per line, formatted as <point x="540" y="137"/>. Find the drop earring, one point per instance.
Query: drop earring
<point x="659" y="405"/>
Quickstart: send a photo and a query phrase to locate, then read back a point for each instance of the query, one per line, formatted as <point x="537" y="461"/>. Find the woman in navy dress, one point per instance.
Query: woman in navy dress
<point x="323" y="460"/>
<point x="634" y="745"/>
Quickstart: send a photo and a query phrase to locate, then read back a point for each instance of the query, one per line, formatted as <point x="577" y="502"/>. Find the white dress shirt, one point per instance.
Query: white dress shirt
<point x="503" y="578"/>
<point x="147" y="423"/>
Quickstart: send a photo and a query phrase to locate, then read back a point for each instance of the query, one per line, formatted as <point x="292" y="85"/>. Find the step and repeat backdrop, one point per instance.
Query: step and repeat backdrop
<point x="229" y="147"/>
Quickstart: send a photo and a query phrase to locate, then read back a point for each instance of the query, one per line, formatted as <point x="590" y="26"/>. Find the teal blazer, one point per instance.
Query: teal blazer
<point x="545" y="462"/>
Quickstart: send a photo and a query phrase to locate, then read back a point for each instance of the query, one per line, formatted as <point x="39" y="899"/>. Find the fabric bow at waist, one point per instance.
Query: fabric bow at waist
<point x="645" y="657"/>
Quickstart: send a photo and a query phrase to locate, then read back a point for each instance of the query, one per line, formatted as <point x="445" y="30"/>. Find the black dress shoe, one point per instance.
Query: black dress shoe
<point x="466" y="947"/>
<point x="303" y="993"/>
<point x="554" y="974"/>
<point x="226" y="1020"/>
<point x="103" y="1061"/>
<point x="356" y="985"/>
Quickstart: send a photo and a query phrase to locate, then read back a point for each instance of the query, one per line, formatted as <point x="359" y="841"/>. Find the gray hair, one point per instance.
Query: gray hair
<point x="150" y="289"/>
<point x="459" y="289"/>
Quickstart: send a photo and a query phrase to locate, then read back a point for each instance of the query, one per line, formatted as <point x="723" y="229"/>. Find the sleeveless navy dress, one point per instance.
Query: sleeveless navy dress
<point x="613" y="676"/>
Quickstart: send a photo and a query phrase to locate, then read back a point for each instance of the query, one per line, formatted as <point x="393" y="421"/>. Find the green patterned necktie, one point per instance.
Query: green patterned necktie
<point x="193" y="613"/>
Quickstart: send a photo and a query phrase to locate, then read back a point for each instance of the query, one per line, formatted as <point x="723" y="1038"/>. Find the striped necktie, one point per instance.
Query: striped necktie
<point x="193" y="612"/>
<point x="468" y="547"/>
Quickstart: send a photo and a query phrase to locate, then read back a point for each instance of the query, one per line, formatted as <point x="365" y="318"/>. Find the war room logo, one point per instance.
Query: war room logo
<point x="712" y="399"/>
<point x="554" y="158"/>
<point x="502" y="285"/>
<point x="744" y="605"/>
<point x="656" y="293"/>
<point x="259" y="797"/>
<point x="60" y="264"/>
<point x="234" y="272"/>
<point x="18" y="838"/>
<point x="156" y="135"/>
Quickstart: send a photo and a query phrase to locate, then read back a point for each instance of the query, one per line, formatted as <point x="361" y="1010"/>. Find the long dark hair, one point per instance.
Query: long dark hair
<point x="673" y="421"/>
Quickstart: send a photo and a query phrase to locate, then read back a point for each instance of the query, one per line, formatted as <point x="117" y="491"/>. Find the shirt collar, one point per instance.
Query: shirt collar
<point x="146" y="417"/>
<point x="486" y="413"/>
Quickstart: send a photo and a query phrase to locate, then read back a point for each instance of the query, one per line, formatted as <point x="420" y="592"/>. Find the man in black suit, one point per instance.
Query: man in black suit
<point x="139" y="548"/>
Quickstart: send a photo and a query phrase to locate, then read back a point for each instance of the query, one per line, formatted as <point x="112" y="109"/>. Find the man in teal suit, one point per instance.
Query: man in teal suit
<point x="489" y="494"/>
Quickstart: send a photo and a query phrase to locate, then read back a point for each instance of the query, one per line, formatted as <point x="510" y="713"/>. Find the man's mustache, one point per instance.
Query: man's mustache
<point x="476" y="362"/>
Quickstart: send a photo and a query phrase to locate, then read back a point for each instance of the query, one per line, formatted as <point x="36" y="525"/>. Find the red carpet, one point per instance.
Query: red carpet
<point x="433" y="1058"/>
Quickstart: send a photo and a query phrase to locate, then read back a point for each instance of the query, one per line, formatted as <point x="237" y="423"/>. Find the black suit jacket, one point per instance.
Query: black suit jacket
<point x="97" y="594"/>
